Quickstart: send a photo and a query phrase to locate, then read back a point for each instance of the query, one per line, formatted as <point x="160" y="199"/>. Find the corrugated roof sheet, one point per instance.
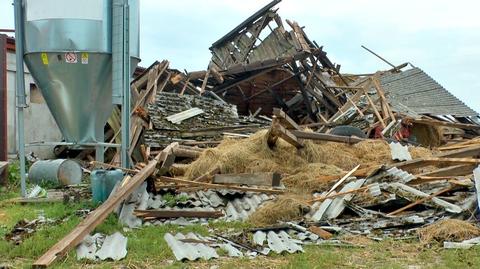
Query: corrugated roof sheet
<point x="189" y="251"/>
<point x="419" y="92"/>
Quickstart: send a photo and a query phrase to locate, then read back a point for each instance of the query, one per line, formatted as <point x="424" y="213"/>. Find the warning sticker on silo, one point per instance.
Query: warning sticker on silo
<point x="44" y="58"/>
<point x="71" y="57"/>
<point x="84" y="58"/>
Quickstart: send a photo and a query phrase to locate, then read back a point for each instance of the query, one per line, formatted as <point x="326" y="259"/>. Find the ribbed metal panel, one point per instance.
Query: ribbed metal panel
<point x="419" y="92"/>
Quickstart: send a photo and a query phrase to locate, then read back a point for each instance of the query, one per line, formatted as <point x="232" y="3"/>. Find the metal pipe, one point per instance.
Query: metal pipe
<point x="20" y="90"/>
<point x="126" y="87"/>
<point x="380" y="57"/>
<point x="3" y="105"/>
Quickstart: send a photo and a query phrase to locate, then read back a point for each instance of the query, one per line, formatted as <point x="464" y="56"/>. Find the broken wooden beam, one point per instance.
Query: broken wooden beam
<point x="285" y="120"/>
<point x="456" y="170"/>
<point x="249" y="179"/>
<point x="168" y="214"/>
<point x="423" y="200"/>
<point x="278" y="130"/>
<point x="461" y="153"/>
<point x="326" y="137"/>
<point x="446" y="123"/>
<point x="216" y="186"/>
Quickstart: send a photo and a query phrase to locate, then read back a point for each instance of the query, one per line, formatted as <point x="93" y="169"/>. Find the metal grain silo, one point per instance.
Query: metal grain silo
<point x="68" y="50"/>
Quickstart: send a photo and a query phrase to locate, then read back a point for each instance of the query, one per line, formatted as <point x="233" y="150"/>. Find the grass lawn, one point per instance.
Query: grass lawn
<point x="147" y="248"/>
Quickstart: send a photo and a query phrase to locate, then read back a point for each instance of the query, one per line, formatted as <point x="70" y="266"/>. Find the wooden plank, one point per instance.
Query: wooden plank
<point x="188" y="153"/>
<point x="285" y="120"/>
<point x="325" y="235"/>
<point x="278" y="130"/>
<point x="167" y="214"/>
<point x="345" y="177"/>
<point x="412" y="164"/>
<point x="445" y="123"/>
<point x="372" y="105"/>
<point x="205" y="80"/>
<point x="326" y="137"/>
<point x="419" y="201"/>
<point x="456" y="170"/>
<point x="96" y="217"/>
<point x="216" y="186"/>
<point x="250" y="179"/>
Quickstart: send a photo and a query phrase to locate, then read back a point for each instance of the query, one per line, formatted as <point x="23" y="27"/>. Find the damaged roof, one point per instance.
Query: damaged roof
<point x="415" y="91"/>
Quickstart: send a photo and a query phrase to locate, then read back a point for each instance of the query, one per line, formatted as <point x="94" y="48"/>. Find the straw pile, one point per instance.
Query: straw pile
<point x="300" y="168"/>
<point x="284" y="208"/>
<point x="448" y="230"/>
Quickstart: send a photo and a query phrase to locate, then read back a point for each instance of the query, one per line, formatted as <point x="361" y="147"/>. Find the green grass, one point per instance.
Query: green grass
<point x="147" y="248"/>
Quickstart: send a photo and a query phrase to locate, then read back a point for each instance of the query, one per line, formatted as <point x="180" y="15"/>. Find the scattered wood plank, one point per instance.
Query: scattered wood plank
<point x="396" y="212"/>
<point x="345" y="177"/>
<point x="250" y="179"/>
<point x="325" y="235"/>
<point x="456" y="170"/>
<point x="168" y="214"/>
<point x="216" y="186"/>
<point x="473" y="151"/>
<point x="326" y="137"/>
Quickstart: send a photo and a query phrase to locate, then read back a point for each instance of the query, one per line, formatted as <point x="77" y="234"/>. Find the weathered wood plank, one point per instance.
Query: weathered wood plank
<point x="215" y="186"/>
<point x="167" y="214"/>
<point x="250" y="179"/>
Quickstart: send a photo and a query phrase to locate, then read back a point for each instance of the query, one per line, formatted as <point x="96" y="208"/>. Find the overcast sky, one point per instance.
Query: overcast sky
<point x="441" y="37"/>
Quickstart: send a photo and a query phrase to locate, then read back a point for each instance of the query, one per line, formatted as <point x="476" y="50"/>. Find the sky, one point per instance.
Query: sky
<point x="441" y="37"/>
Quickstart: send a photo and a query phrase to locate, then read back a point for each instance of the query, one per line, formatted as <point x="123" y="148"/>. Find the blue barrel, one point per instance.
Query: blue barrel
<point x="102" y="183"/>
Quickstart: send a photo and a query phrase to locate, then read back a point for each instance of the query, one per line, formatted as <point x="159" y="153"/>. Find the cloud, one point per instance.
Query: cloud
<point x="439" y="36"/>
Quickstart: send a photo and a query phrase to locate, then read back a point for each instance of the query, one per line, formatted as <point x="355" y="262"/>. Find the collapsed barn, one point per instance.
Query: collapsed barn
<point x="273" y="133"/>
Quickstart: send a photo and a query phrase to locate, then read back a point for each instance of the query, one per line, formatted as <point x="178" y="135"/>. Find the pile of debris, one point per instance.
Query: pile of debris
<point x="272" y="133"/>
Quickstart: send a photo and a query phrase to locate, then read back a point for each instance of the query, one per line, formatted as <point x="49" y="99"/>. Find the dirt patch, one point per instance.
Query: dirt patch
<point x="448" y="230"/>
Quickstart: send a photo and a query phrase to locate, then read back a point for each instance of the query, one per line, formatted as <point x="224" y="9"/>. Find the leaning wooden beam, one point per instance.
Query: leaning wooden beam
<point x="168" y="214"/>
<point x="250" y="179"/>
<point x="372" y="105"/>
<point x="286" y="121"/>
<point x="277" y="130"/>
<point x="96" y="217"/>
<point x="216" y="186"/>
<point x="205" y="80"/>
<point x="326" y="137"/>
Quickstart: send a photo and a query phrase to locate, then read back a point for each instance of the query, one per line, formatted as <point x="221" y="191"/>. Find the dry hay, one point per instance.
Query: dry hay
<point x="247" y="155"/>
<point x="420" y="152"/>
<point x="448" y="230"/>
<point x="302" y="167"/>
<point x="284" y="208"/>
<point x="308" y="177"/>
<point x="427" y="135"/>
<point x="357" y="240"/>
